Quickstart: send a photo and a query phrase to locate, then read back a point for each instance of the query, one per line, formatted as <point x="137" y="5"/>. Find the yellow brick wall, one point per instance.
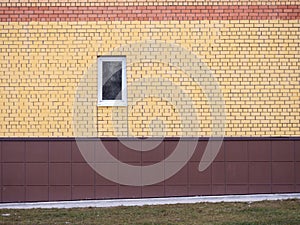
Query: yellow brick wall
<point x="46" y="67"/>
<point x="142" y="2"/>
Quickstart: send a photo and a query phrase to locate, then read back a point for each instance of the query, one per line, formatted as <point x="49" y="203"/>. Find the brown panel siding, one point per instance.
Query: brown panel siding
<point x="53" y="169"/>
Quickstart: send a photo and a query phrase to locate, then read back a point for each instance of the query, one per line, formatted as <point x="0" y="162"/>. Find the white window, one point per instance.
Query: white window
<point x="112" y="89"/>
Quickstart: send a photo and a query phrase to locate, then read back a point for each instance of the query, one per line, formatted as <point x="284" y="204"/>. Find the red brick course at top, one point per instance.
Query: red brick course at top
<point x="149" y="13"/>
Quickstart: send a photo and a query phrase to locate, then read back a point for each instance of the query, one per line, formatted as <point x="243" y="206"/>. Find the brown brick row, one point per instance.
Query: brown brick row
<point x="149" y="13"/>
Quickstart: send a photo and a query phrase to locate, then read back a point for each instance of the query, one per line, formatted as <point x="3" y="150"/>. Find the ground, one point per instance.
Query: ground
<point x="267" y="212"/>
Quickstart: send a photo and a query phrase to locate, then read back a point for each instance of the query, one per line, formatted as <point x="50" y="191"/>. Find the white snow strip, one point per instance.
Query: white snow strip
<point x="149" y="201"/>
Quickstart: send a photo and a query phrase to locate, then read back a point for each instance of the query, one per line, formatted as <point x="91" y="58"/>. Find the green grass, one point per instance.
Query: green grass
<point x="267" y="212"/>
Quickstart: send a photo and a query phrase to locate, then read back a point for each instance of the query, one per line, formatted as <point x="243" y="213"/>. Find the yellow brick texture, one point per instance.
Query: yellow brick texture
<point x="142" y="2"/>
<point x="48" y="76"/>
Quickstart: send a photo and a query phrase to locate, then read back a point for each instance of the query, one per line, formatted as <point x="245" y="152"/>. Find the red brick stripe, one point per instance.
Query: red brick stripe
<point x="149" y="13"/>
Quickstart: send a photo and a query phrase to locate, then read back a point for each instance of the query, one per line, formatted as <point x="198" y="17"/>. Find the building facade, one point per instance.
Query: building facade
<point x="215" y="81"/>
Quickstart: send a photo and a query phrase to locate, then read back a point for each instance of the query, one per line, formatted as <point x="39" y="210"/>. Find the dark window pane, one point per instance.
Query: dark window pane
<point x="112" y="81"/>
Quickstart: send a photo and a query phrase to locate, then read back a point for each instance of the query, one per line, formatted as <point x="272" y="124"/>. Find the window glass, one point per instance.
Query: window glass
<point x="112" y="81"/>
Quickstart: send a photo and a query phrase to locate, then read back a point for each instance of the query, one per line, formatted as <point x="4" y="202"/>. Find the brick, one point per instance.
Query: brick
<point x="253" y="61"/>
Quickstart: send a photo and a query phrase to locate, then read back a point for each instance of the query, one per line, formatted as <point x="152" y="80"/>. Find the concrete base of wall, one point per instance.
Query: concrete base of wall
<point x="48" y="169"/>
<point x="149" y="201"/>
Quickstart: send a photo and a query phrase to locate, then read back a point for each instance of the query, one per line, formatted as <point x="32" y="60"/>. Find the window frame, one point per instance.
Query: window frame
<point x="123" y="101"/>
